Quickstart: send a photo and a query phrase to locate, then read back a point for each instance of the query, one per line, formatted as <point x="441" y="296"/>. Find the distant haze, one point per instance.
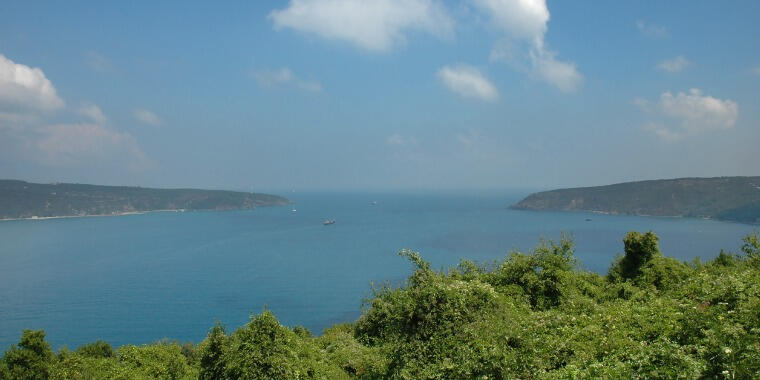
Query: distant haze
<point x="382" y="95"/>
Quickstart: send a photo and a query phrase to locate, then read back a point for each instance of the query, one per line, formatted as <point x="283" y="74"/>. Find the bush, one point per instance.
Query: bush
<point x="31" y="358"/>
<point x="97" y="349"/>
<point x="264" y="349"/>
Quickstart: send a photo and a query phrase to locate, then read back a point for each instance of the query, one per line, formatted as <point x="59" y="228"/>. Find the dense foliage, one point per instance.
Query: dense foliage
<point x="725" y="198"/>
<point x="19" y="199"/>
<point x="532" y="315"/>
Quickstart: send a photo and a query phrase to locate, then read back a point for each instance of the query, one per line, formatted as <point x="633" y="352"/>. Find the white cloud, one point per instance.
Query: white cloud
<point x="398" y="140"/>
<point x="521" y="19"/>
<point x="92" y="112"/>
<point x="375" y="25"/>
<point x="563" y="75"/>
<point x="651" y="30"/>
<point x="147" y="117"/>
<point x="72" y="144"/>
<point x="25" y="135"/>
<point x="23" y="88"/>
<point x="526" y="21"/>
<point x="689" y="113"/>
<point x="674" y="65"/>
<point x="697" y="111"/>
<point x="468" y="82"/>
<point x="284" y="76"/>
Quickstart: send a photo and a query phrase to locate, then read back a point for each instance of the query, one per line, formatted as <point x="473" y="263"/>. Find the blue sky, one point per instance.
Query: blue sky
<point x="382" y="95"/>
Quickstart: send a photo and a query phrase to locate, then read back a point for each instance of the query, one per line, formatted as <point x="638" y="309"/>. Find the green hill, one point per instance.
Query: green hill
<point x="725" y="198"/>
<point x="19" y="199"/>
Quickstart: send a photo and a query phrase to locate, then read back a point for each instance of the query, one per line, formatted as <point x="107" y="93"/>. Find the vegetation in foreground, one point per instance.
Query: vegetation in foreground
<point x="533" y="315"/>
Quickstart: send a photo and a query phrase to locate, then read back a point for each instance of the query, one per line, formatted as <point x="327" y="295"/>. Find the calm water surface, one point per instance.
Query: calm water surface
<point x="139" y="278"/>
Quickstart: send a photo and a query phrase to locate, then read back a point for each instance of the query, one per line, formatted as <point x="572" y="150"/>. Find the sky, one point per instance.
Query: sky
<point x="378" y="94"/>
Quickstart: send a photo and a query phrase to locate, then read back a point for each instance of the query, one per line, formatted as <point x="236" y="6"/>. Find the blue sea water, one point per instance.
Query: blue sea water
<point x="139" y="278"/>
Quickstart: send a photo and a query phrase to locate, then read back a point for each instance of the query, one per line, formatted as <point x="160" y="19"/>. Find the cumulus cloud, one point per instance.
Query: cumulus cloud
<point x="521" y="19"/>
<point x="674" y="65"/>
<point x="26" y="135"/>
<point x="23" y="88"/>
<point x="526" y="21"/>
<point x="147" y="117"/>
<point x="468" y="82"/>
<point x="92" y="112"/>
<point x="374" y="25"/>
<point x="682" y="114"/>
<point x="284" y="77"/>
<point x="651" y="30"/>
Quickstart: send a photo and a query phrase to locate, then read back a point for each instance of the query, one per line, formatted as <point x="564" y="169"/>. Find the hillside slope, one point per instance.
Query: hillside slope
<point x="725" y="198"/>
<point x="19" y="199"/>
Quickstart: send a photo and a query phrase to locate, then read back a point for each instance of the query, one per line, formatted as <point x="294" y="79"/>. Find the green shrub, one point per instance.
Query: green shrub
<point x="31" y="358"/>
<point x="160" y="360"/>
<point x="264" y="349"/>
<point x="97" y="349"/>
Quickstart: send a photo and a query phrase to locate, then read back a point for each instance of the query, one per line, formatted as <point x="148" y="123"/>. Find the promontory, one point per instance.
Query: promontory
<point x="20" y="199"/>
<point x="723" y="198"/>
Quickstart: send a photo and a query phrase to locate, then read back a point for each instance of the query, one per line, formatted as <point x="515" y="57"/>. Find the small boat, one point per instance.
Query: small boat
<point x="328" y="222"/>
<point x="373" y="203"/>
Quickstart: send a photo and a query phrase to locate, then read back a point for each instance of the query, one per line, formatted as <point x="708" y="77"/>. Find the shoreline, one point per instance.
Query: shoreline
<point x="612" y="213"/>
<point x="88" y="215"/>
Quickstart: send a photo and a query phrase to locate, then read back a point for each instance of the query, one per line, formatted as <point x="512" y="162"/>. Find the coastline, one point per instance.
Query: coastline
<point x="88" y="215"/>
<point x="635" y="214"/>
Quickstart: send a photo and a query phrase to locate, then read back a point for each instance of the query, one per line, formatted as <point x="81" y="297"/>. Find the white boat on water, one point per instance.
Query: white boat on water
<point x="328" y="222"/>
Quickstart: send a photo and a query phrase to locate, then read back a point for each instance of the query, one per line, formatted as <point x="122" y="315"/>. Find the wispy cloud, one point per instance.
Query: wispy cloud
<point x="468" y="82"/>
<point x="526" y="21"/>
<point x="92" y="112"/>
<point x="651" y="30"/>
<point x="74" y="144"/>
<point x="674" y="65"/>
<point x="147" y="117"/>
<point x="98" y="62"/>
<point x="284" y="77"/>
<point x="375" y="25"/>
<point x="399" y="140"/>
<point x="678" y="115"/>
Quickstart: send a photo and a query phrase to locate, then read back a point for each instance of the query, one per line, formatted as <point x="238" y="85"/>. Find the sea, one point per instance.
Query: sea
<point x="137" y="279"/>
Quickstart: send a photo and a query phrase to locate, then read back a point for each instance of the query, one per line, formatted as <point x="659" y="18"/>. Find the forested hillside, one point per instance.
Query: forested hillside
<point x="532" y="315"/>
<point x="725" y="198"/>
<point x="19" y="199"/>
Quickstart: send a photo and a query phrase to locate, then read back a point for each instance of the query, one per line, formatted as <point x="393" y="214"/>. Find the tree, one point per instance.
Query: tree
<point x="639" y="249"/>
<point x="212" y="354"/>
<point x="30" y="358"/>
